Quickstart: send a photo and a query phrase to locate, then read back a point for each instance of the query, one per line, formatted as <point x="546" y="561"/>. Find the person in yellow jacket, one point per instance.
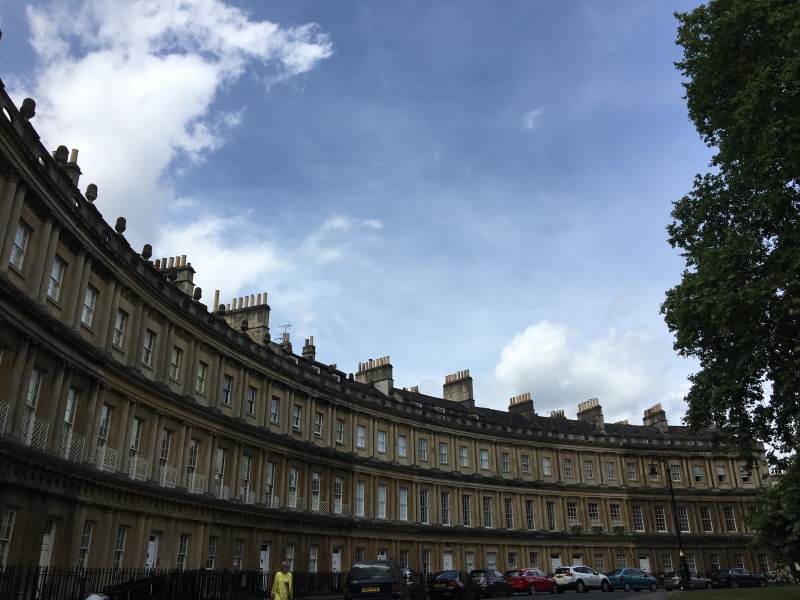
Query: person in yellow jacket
<point x="282" y="584"/>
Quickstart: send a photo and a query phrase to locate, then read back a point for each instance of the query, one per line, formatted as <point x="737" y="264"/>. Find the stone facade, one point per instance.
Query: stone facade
<point x="140" y="427"/>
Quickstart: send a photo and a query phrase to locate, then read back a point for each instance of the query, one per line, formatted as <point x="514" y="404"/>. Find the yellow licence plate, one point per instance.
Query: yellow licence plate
<point x="371" y="589"/>
<point x="439" y="585"/>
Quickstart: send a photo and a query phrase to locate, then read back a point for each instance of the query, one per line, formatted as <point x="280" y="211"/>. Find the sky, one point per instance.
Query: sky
<point x="468" y="185"/>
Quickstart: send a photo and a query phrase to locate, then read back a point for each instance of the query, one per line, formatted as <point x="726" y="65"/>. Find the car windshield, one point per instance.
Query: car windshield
<point x="614" y="572"/>
<point x="562" y="571"/>
<point x="512" y="573"/>
<point x="371" y="571"/>
<point x="447" y="575"/>
<point x="478" y="573"/>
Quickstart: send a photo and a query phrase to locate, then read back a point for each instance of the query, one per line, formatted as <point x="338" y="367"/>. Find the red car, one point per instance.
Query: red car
<point x="531" y="581"/>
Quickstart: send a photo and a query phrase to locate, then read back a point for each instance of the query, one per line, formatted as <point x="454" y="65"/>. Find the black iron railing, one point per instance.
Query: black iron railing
<point x="35" y="583"/>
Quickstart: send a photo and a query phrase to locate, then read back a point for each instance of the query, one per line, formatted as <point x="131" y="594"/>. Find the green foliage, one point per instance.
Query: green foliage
<point x="737" y="307"/>
<point x="776" y="519"/>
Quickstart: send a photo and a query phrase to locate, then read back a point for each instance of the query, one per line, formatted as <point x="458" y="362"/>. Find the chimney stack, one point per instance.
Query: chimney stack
<point x="656" y="417"/>
<point x="377" y="372"/>
<point x="309" y="350"/>
<point x="458" y="387"/>
<point x="592" y="411"/>
<point x="522" y="405"/>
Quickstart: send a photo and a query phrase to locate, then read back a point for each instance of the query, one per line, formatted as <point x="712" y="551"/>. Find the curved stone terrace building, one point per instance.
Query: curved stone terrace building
<point x="139" y="427"/>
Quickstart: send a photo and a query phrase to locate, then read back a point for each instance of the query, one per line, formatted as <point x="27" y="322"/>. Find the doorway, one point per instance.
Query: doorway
<point x="152" y="550"/>
<point x="644" y="564"/>
<point x="555" y="562"/>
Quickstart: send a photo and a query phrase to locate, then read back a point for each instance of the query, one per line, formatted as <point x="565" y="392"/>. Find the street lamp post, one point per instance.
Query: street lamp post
<point x="683" y="567"/>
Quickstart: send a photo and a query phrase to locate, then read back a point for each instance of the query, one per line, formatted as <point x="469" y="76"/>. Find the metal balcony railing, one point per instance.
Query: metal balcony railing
<point x="195" y="484"/>
<point x="167" y="476"/>
<point x="34" y="431"/>
<point x="106" y="459"/>
<point x="71" y="445"/>
<point x="137" y="469"/>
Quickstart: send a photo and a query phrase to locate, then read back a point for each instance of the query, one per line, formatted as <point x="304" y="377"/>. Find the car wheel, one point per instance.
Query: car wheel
<point x="489" y="591"/>
<point x="762" y="583"/>
<point x="734" y="583"/>
<point x="626" y="587"/>
<point x="554" y="589"/>
<point x="532" y="590"/>
<point x="653" y="587"/>
<point x="580" y="587"/>
<point x="605" y="586"/>
<point x="510" y="591"/>
<point x="709" y="586"/>
<point x="561" y="590"/>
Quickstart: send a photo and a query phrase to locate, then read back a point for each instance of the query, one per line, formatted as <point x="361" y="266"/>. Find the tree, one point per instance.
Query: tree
<point x="737" y="306"/>
<point x="777" y="518"/>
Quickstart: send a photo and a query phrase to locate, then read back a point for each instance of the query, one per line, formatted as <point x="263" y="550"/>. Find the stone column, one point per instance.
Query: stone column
<point x="110" y="299"/>
<point x="179" y="461"/>
<point x="60" y="402"/>
<point x="79" y="293"/>
<point x="7" y="226"/>
<point x="190" y="381"/>
<point x="138" y="328"/>
<point x="39" y="279"/>
<point x="126" y="442"/>
<point x="211" y="463"/>
<point x="103" y="539"/>
<point x="163" y="361"/>
<point x="236" y="467"/>
<point x="115" y="290"/>
<point x="155" y="442"/>
<point x="123" y="440"/>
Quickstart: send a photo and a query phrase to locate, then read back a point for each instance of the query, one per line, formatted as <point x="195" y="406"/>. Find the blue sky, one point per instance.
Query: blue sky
<point x="455" y="185"/>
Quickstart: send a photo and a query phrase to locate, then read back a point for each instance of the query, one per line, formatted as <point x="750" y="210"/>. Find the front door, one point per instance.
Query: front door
<point x="555" y="561"/>
<point x="382" y="554"/>
<point x="447" y="561"/>
<point x="263" y="564"/>
<point x="577" y="560"/>
<point x="336" y="566"/>
<point x="47" y="543"/>
<point x="152" y="550"/>
<point x="644" y="564"/>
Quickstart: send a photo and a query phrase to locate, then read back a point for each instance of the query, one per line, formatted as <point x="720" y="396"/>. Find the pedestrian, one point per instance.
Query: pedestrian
<point x="282" y="584"/>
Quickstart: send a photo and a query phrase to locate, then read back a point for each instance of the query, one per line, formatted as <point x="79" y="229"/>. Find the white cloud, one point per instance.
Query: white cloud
<point x="530" y="119"/>
<point x="625" y="370"/>
<point x="131" y="84"/>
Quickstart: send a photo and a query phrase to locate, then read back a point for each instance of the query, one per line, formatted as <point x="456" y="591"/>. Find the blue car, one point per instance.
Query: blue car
<point x="628" y="579"/>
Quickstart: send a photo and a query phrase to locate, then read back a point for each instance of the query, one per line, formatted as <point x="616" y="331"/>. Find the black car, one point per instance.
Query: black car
<point x="416" y="586"/>
<point x="492" y="582"/>
<point x="376" y="580"/>
<point x="453" y="584"/>
<point x="735" y="578"/>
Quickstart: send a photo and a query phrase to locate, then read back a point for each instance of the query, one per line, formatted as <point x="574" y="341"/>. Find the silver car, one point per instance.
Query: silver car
<point x="672" y="581"/>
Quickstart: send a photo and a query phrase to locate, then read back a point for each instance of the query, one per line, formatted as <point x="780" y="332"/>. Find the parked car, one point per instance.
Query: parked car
<point x="735" y="578"/>
<point x="672" y="581"/>
<point x="453" y="584"/>
<point x="531" y="581"/>
<point x="492" y="582"/>
<point x="417" y="590"/>
<point x="376" y="580"/>
<point x="629" y="578"/>
<point x="580" y="579"/>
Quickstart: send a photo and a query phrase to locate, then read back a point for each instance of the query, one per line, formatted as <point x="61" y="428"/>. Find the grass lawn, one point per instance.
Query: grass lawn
<point x="777" y="592"/>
